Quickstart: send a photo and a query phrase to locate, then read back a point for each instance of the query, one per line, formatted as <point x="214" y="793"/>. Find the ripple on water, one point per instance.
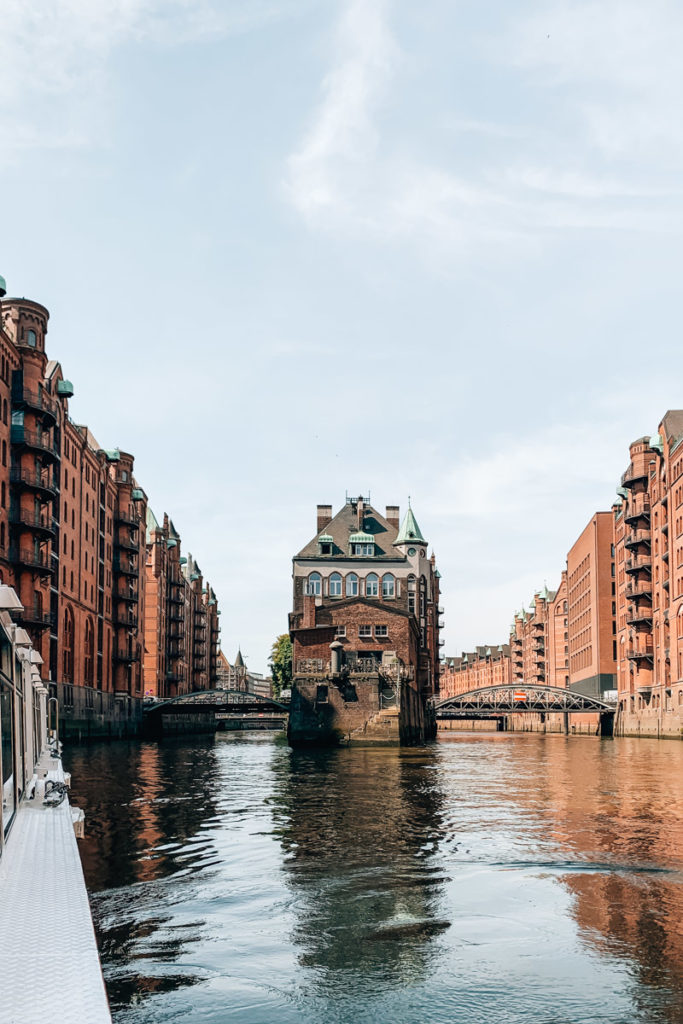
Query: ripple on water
<point x="474" y="880"/>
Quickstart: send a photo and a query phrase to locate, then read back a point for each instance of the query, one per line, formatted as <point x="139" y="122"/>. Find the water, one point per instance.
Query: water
<point x="486" y="878"/>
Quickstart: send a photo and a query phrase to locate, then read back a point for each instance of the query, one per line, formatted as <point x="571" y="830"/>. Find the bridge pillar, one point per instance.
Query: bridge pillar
<point x="607" y="723"/>
<point x="565" y="723"/>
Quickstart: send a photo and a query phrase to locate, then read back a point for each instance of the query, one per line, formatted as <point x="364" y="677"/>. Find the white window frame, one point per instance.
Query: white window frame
<point x="311" y="590"/>
<point x="382" y="634"/>
<point x="335" y="578"/>
<point x="375" y="578"/>
<point x="352" y="576"/>
<point x="392" y="595"/>
<point x="365" y="632"/>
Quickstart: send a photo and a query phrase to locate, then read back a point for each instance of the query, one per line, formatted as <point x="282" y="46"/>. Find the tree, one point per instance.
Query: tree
<point x="281" y="664"/>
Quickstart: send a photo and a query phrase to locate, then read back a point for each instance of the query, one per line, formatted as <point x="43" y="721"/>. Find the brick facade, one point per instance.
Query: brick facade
<point x="365" y="623"/>
<point x="72" y="521"/>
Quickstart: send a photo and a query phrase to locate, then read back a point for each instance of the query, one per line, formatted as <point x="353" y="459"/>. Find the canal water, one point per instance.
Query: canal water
<point x="498" y="877"/>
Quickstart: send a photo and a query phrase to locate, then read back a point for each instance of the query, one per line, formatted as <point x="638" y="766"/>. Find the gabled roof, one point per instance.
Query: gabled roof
<point x="239" y="660"/>
<point x="345" y="523"/>
<point x="409" y="531"/>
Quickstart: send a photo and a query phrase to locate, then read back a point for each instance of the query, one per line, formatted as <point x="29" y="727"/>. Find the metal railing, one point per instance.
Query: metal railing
<point x="30" y="478"/>
<point x="32" y="439"/>
<point x="312" y="666"/>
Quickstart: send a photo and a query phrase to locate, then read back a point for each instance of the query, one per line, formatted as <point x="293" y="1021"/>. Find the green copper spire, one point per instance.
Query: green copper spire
<point x="410" y="531"/>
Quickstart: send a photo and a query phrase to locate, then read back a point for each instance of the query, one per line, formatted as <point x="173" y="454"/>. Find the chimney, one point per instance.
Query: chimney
<point x="324" y="516"/>
<point x="308" y="617"/>
<point x="361" y="512"/>
<point x="393" y="516"/>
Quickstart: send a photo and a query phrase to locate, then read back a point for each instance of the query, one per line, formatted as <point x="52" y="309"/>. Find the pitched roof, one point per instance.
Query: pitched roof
<point x="239" y="660"/>
<point x="409" y="530"/>
<point x="345" y="523"/>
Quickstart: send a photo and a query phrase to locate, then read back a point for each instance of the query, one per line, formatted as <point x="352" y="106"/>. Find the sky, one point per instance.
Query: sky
<point x="292" y="249"/>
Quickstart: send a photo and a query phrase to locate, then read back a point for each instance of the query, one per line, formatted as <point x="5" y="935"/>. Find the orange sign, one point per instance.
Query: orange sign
<point x="519" y="695"/>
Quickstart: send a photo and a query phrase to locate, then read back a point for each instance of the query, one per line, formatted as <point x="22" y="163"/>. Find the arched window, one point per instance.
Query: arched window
<point x="4" y="410"/>
<point x="352" y="585"/>
<point x="313" y="584"/>
<point x="68" y="647"/>
<point x="388" y="586"/>
<point x="3" y="494"/>
<point x="335" y="585"/>
<point x="31" y="338"/>
<point x="372" y="585"/>
<point x="89" y="651"/>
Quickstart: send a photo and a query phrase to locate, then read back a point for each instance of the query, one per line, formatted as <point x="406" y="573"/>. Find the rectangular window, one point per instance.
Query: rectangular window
<point x="340" y="631"/>
<point x="365" y="631"/>
<point x="363" y="549"/>
<point x="381" y="631"/>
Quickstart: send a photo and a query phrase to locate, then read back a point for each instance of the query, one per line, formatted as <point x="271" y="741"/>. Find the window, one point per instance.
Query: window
<point x="340" y="631"/>
<point x="365" y="632"/>
<point x="89" y="652"/>
<point x="388" y="586"/>
<point x="68" y="647"/>
<point x="335" y="585"/>
<point x="325" y="549"/>
<point x="362" y="549"/>
<point x="31" y="338"/>
<point x="381" y="631"/>
<point x="313" y="584"/>
<point x="352" y="585"/>
<point x="372" y="585"/>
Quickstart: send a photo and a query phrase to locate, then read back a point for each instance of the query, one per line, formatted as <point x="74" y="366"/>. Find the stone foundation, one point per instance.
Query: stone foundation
<point x="655" y="723"/>
<point x="323" y="712"/>
<point x="86" y="713"/>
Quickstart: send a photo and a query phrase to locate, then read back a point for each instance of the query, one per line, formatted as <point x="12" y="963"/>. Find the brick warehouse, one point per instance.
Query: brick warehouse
<point x="365" y="629"/>
<point x="72" y="522"/>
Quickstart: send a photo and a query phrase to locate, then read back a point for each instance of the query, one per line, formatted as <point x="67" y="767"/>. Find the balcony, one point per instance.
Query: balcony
<point x="126" y="567"/>
<point x="126" y="618"/>
<point x="127" y="516"/>
<point x="126" y="544"/>
<point x="34" y="441"/>
<point x="665" y="528"/>
<point x="640" y="653"/>
<point x="35" y="619"/>
<point x="638" y="507"/>
<point x="635" y="537"/>
<point x="37" y="401"/>
<point x="130" y="596"/>
<point x="638" y="616"/>
<point x="22" y="517"/>
<point x="441" y="624"/>
<point x="174" y="677"/>
<point x="176" y="598"/>
<point x="175" y="615"/>
<point x="38" y="561"/>
<point x="175" y="649"/>
<point x="632" y="476"/>
<point x="665" y="583"/>
<point x="665" y="556"/>
<point x="637" y="562"/>
<point x="125" y="657"/>
<point x="439" y="610"/>
<point x="32" y="481"/>
<point x="641" y="589"/>
<point x="539" y="646"/>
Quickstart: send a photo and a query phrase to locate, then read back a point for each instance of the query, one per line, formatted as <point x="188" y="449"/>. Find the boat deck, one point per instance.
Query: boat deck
<point x="48" y="954"/>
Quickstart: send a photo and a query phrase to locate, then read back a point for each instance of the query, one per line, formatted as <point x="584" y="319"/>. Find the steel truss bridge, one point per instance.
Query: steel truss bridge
<point x="494" y="701"/>
<point x="226" y="703"/>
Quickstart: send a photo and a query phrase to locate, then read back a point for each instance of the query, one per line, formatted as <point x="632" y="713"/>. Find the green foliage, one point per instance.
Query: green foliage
<point x="281" y="664"/>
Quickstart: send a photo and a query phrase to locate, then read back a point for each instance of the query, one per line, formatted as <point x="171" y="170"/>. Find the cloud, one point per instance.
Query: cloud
<point x="609" y="70"/>
<point x="54" y="56"/>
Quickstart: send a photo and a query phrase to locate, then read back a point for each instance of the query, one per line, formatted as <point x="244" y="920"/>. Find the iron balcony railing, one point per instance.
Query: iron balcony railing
<point x="637" y="507"/>
<point x="127" y="544"/>
<point x="632" y="475"/>
<point x="312" y="666"/>
<point x="34" y="481"/>
<point x="126" y="618"/>
<point x="38" y="401"/>
<point x="125" y="656"/>
<point x="127" y="516"/>
<point x="176" y="615"/>
<point x="635" y="537"/>
<point x="637" y="562"/>
<point x="32" y="520"/>
<point x="126" y="567"/>
<point x="38" y="560"/>
<point x="637" y="653"/>
<point x="637" y="615"/>
<point x="26" y="438"/>
<point x="127" y="595"/>
<point x="36" y="619"/>
<point x="643" y="589"/>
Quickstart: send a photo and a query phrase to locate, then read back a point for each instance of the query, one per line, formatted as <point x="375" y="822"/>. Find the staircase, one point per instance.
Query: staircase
<point x="381" y="729"/>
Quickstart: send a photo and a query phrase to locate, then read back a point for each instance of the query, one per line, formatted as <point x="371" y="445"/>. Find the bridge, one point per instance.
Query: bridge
<point x="224" y="709"/>
<point x="507" y="699"/>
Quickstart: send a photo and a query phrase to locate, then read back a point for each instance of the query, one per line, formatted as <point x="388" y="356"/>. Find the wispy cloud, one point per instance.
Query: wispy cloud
<point x="54" y="56"/>
<point x="351" y="175"/>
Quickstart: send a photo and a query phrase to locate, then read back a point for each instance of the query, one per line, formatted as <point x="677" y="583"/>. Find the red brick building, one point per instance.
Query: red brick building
<point x="591" y="608"/>
<point x="484" y="666"/>
<point x="181" y="620"/>
<point x="648" y="539"/>
<point x="364" y="627"/>
<point x="72" y="518"/>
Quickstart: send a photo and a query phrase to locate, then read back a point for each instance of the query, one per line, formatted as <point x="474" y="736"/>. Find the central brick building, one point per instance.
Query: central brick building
<point x="365" y="628"/>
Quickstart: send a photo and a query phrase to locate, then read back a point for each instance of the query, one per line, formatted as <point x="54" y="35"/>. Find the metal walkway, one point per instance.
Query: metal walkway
<point x="508" y="699"/>
<point x="48" y="955"/>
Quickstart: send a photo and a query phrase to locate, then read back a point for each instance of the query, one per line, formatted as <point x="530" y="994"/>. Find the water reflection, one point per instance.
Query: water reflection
<point x="360" y="830"/>
<point x="491" y="877"/>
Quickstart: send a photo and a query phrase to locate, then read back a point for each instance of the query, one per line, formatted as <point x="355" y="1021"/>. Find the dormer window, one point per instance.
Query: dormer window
<point x="325" y="544"/>
<point x="362" y="544"/>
